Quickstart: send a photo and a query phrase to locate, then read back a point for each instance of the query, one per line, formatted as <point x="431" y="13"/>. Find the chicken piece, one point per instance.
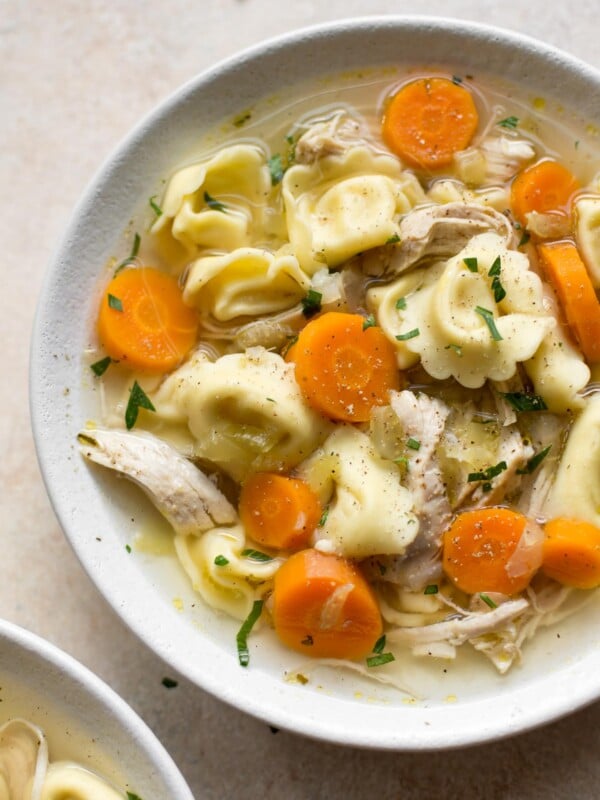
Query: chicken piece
<point x="183" y="494"/>
<point x="423" y="419"/>
<point x="513" y="451"/>
<point x="438" y="231"/>
<point x="328" y="138"/>
<point x="504" y="157"/>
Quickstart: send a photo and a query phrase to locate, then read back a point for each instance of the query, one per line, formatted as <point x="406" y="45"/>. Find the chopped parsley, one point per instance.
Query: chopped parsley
<point x="323" y="519"/>
<point x="524" y="239"/>
<point x="471" y="264"/>
<point x="169" y="683"/>
<point x="137" y="399"/>
<point x="243" y="633"/>
<point x="457" y="80"/>
<point x="487" y="474"/>
<point x="456" y="347"/>
<point x="379" y="659"/>
<point x="414" y="444"/>
<point x="534" y="461"/>
<point x="393" y="239"/>
<point x="133" y="796"/>
<point x="155" y="207"/>
<point x="135" y="249"/>
<point x="100" y="367"/>
<point x="379" y="645"/>
<point x="509" y="122"/>
<point x="128" y="548"/>
<point x="521" y="401"/>
<point x="276" y="169"/>
<point x="241" y="119"/>
<point x="256" y="555"/>
<point x="432" y="588"/>
<point x="115" y="302"/>
<point x="221" y="561"/>
<point x="216" y="205"/>
<point x="369" y="322"/>
<point x="402" y="337"/>
<point x="497" y="288"/>
<point x="488" y="600"/>
<point x="401" y="303"/>
<point x="311" y="304"/>
<point x="488" y="318"/>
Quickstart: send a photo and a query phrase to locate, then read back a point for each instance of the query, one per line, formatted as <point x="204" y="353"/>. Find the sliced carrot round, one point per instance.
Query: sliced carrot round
<point x="429" y="120"/>
<point x="571" y="553"/>
<point x="344" y="369"/>
<point x="324" y="607"/>
<point x="278" y="511"/>
<point x="477" y="549"/>
<point x="542" y="187"/>
<point x="144" y="322"/>
<point x="568" y="275"/>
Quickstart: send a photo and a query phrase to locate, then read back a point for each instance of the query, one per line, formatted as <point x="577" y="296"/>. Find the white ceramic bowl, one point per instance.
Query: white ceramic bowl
<point x="462" y="706"/>
<point x="83" y="719"/>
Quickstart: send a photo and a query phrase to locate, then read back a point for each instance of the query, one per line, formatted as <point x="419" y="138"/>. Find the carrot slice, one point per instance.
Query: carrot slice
<point x="569" y="277"/>
<point x="571" y="553"/>
<point x="278" y="511"/>
<point x="324" y="607"/>
<point x="144" y="322"/>
<point x="478" y="547"/>
<point x="429" y="120"/>
<point x="344" y="369"/>
<point x="545" y="186"/>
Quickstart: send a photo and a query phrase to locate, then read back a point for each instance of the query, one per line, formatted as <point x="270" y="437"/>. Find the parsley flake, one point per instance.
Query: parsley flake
<point x="216" y="205"/>
<point x="524" y="239"/>
<point x="311" y="304"/>
<point x="221" y="561"/>
<point x="135" y="249"/>
<point x="128" y="548"/>
<point x="509" y="122"/>
<point x="521" y="401"/>
<point x="414" y="444"/>
<point x="488" y="318"/>
<point x="256" y="555"/>
<point x="534" y="461"/>
<point x="114" y="302"/>
<point x="403" y="337"/>
<point x="323" y="519"/>
<point x="243" y="633"/>
<point x="394" y="239"/>
<point x="369" y="322"/>
<point x="456" y="347"/>
<point x="276" y="169"/>
<point x="379" y="659"/>
<point x="100" y="367"/>
<point x="133" y="796"/>
<point x="401" y="303"/>
<point x="471" y="264"/>
<point x="379" y="645"/>
<point x="169" y="683"/>
<point x="488" y="600"/>
<point x="155" y="207"/>
<point x="487" y="474"/>
<point x="137" y="399"/>
<point x="497" y="288"/>
<point x="432" y="588"/>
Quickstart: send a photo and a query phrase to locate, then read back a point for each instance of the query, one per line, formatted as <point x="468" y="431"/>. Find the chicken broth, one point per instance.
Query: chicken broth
<point x="347" y="351"/>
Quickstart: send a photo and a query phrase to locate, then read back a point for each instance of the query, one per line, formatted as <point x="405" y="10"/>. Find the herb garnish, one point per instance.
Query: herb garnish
<point x="488" y="600"/>
<point x="115" y="302"/>
<point x="216" y="205"/>
<point x="276" y="169"/>
<point x="534" y="461"/>
<point x="323" y="519"/>
<point x="379" y="645"/>
<point x="311" y="304"/>
<point x="221" y="561"/>
<point x="241" y="119"/>
<point x="471" y="264"/>
<point x="402" y="337"/>
<point x="132" y="256"/>
<point x="509" y="122"/>
<point x="394" y="239"/>
<point x="497" y="288"/>
<point x="137" y="399"/>
<point x="243" y="633"/>
<point x="369" y="322"/>
<point x="128" y="548"/>
<point x="457" y="80"/>
<point x="100" y="367"/>
<point x="414" y="444"/>
<point x="401" y="303"/>
<point x="256" y="555"/>
<point x="524" y="239"/>
<point x="432" y="588"/>
<point x="488" y="318"/>
<point x="521" y="401"/>
<point x="169" y="683"/>
<point x="379" y="659"/>
<point x="487" y="474"/>
<point x="155" y="207"/>
<point x="133" y="796"/>
<point x="456" y="347"/>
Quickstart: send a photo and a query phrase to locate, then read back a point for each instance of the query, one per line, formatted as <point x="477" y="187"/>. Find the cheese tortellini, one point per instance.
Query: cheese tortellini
<point x="369" y="511"/>
<point x="244" y="410"/>
<point x="248" y="282"/>
<point x="458" y="328"/>
<point x="587" y="215"/>
<point x="344" y="204"/>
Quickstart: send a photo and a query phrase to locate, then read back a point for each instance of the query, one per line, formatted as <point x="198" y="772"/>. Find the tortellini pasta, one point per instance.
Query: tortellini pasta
<point x="369" y="511"/>
<point x="344" y="204"/>
<point x="219" y="572"/>
<point x="244" y="410"/>
<point x="576" y="488"/>
<point x="248" y="282"/>
<point x="587" y="215"/>
<point x="458" y="328"/>
<point x="218" y="204"/>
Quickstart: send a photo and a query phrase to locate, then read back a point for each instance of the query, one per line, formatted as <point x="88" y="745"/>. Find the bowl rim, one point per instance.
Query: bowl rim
<point x="433" y="729"/>
<point x="104" y="700"/>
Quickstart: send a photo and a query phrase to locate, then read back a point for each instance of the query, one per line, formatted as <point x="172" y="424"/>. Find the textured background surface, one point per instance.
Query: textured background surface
<point x="74" y="77"/>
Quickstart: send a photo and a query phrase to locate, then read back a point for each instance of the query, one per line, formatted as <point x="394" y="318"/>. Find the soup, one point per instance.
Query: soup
<point x="350" y="361"/>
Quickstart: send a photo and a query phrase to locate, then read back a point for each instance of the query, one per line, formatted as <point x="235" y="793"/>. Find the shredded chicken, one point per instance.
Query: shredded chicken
<point x="438" y="231"/>
<point x="328" y="138"/>
<point x="504" y="157"/>
<point x="183" y="494"/>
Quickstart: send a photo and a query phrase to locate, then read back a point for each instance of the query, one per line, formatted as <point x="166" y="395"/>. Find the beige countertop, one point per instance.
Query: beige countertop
<point x="74" y="77"/>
